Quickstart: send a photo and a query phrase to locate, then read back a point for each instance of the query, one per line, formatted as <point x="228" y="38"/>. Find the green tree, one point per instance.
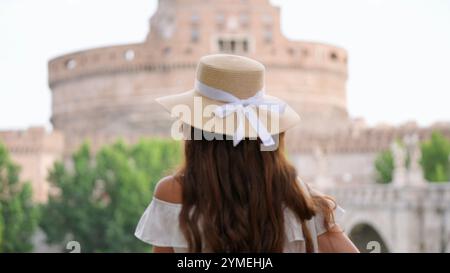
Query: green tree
<point x="18" y="215"/>
<point x="435" y="158"/>
<point x="384" y="166"/>
<point x="102" y="196"/>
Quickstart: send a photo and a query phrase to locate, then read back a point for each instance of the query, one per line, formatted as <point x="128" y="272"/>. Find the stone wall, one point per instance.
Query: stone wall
<point x="408" y="219"/>
<point x="111" y="90"/>
<point x="35" y="150"/>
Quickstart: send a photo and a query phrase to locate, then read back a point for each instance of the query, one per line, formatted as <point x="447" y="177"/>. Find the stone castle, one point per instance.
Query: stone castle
<point x="104" y="93"/>
<point x="111" y="91"/>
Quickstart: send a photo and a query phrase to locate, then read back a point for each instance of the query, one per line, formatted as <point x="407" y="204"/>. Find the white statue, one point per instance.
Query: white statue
<point x="322" y="178"/>
<point x="399" y="176"/>
<point x="415" y="173"/>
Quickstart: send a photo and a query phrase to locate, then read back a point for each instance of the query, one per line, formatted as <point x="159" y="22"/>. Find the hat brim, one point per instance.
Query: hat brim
<point x="192" y="108"/>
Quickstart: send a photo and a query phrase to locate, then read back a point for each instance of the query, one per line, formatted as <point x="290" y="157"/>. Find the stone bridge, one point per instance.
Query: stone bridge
<point x="392" y="218"/>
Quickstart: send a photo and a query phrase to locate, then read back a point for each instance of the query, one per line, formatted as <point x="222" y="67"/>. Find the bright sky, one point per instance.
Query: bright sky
<point x="399" y="50"/>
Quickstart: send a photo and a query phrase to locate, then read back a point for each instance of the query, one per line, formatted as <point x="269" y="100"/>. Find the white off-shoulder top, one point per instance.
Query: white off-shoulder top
<point x="159" y="226"/>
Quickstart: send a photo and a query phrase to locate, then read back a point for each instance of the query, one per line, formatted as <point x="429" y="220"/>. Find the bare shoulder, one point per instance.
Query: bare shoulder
<point x="169" y="189"/>
<point x="323" y="200"/>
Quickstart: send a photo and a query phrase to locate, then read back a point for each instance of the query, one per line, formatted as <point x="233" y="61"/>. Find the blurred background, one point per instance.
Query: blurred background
<point x="82" y="142"/>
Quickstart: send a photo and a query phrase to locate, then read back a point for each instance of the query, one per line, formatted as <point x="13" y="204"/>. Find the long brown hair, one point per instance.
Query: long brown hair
<point x="233" y="198"/>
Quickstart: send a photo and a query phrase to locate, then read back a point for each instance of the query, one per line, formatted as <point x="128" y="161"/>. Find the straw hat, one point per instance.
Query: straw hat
<point x="228" y="98"/>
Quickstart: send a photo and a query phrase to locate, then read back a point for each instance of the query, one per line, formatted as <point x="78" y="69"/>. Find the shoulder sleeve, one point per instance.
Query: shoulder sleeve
<point x="319" y="219"/>
<point x="159" y="225"/>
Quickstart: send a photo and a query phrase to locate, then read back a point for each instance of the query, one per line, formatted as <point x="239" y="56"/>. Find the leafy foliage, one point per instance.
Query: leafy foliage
<point x="18" y="216"/>
<point x="102" y="196"/>
<point x="384" y="165"/>
<point x="435" y="158"/>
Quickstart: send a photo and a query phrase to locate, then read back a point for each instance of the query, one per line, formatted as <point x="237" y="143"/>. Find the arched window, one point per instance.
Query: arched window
<point x="268" y="35"/>
<point x="244" y="19"/>
<point x="233" y="45"/>
<point x="195" y="18"/>
<point x="129" y="55"/>
<point x="333" y="56"/>
<point x="267" y="19"/>
<point x="195" y="35"/>
<point x="71" y="64"/>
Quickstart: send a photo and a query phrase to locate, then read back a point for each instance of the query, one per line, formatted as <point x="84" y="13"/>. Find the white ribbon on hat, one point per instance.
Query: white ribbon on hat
<point x="243" y="109"/>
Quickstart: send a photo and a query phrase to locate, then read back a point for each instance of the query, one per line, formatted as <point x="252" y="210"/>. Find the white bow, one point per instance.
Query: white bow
<point x="243" y="108"/>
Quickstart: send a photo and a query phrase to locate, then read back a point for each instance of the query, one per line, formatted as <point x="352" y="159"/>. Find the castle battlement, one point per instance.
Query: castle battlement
<point x="135" y="58"/>
<point x="34" y="150"/>
<point x="33" y="140"/>
<point x="111" y="90"/>
<point x="363" y="140"/>
<point x="183" y="31"/>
